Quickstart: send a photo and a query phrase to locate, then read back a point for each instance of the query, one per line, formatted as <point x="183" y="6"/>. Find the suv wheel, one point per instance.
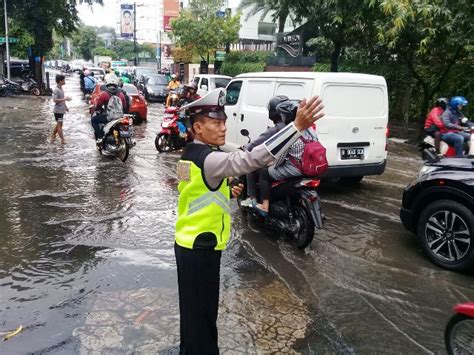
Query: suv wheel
<point x="446" y="230"/>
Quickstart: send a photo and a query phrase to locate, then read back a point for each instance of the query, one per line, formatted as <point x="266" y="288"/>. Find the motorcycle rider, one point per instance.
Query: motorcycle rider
<point x="203" y="223"/>
<point x="190" y="93"/>
<point x="453" y="120"/>
<point x="433" y="123"/>
<point x="89" y="82"/>
<point x="288" y="165"/>
<point x="278" y="122"/>
<point x="172" y="85"/>
<point x="108" y="106"/>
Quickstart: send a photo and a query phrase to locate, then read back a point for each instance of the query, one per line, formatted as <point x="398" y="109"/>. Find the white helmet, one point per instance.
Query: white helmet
<point x="173" y="76"/>
<point x="111" y="79"/>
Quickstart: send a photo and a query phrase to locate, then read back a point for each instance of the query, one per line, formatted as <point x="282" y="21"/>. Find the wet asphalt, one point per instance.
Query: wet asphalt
<point x="87" y="263"/>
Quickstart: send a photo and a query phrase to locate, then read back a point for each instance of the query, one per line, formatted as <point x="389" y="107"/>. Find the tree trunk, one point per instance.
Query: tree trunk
<point x="335" y="56"/>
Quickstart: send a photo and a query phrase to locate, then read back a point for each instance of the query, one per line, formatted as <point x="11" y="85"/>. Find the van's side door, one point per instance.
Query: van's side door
<point x="232" y="110"/>
<point x="253" y="115"/>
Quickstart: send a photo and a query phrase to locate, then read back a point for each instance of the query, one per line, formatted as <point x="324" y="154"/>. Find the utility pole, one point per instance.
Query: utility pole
<point x="6" y="39"/>
<point x="135" y="49"/>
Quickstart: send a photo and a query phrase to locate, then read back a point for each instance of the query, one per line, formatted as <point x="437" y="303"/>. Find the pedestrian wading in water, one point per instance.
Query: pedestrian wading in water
<point x="60" y="108"/>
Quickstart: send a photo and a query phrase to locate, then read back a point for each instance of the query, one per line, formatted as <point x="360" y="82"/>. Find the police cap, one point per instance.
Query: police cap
<point x="210" y="105"/>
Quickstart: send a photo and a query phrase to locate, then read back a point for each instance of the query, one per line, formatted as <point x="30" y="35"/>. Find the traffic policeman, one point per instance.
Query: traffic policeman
<point x="203" y="225"/>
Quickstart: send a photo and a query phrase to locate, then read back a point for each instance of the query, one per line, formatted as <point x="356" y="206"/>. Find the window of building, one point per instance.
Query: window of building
<point x="266" y="28"/>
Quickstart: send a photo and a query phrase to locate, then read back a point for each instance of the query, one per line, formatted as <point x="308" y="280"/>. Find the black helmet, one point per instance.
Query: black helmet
<point x="287" y="110"/>
<point x="272" y="105"/>
<point x="441" y="102"/>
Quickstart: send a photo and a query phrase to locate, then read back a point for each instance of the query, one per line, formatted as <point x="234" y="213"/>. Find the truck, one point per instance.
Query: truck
<point x="99" y="59"/>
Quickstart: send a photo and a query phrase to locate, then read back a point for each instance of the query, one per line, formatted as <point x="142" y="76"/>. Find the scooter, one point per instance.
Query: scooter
<point x="118" y="138"/>
<point x="459" y="333"/>
<point x="295" y="208"/>
<point x="428" y="151"/>
<point x="174" y="134"/>
<point x="28" y="85"/>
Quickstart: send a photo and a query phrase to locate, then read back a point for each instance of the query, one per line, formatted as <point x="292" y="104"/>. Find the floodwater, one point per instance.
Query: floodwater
<point x="87" y="263"/>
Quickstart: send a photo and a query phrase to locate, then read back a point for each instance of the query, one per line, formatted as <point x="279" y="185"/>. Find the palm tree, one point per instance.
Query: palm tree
<point x="280" y="9"/>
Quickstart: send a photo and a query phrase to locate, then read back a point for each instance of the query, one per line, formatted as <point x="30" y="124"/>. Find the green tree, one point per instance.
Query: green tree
<point x="39" y="18"/>
<point x="198" y="27"/>
<point x="280" y="10"/>
<point x="105" y="52"/>
<point x="344" y="23"/>
<point x="84" y="41"/>
<point x="429" y="37"/>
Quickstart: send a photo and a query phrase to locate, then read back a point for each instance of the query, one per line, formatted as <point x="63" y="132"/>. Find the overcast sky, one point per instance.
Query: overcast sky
<point x="97" y="15"/>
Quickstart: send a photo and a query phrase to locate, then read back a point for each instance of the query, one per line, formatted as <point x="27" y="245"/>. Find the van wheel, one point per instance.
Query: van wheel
<point x="352" y="179"/>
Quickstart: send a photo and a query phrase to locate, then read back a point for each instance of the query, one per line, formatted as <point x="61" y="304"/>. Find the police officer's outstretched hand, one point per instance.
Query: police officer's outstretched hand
<point x="309" y="111"/>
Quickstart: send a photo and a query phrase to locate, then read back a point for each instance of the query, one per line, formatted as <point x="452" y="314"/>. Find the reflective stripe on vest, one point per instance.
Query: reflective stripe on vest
<point x="200" y="210"/>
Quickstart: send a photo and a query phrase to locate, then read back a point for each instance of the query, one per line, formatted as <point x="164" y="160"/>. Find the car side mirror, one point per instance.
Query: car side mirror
<point x="204" y="87"/>
<point x="244" y="132"/>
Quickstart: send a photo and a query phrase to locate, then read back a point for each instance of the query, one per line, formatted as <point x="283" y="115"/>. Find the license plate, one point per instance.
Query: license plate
<point x="352" y="153"/>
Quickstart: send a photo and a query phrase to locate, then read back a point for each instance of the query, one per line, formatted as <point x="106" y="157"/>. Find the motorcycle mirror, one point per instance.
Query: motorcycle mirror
<point x="244" y="132"/>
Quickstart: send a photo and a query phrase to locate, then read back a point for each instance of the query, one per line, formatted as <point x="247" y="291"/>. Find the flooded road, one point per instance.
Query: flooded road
<point x="87" y="262"/>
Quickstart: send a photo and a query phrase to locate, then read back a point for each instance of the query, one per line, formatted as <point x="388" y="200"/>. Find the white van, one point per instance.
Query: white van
<point x="354" y="129"/>
<point x="208" y="82"/>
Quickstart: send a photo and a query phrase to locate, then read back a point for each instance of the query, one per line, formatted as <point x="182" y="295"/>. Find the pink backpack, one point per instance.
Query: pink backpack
<point x="313" y="160"/>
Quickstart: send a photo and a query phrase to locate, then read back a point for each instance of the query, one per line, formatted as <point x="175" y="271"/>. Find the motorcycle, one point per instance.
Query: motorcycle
<point x="6" y="90"/>
<point x="459" y="333"/>
<point x="27" y="85"/>
<point x="428" y="151"/>
<point x="118" y="138"/>
<point x="174" y="134"/>
<point x="173" y="98"/>
<point x="295" y="207"/>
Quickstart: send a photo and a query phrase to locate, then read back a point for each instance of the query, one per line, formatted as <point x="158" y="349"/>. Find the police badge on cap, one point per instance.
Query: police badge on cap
<point x="211" y="105"/>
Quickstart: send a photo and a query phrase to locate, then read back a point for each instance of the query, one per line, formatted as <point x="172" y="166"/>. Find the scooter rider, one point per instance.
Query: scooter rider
<point x="433" y="123"/>
<point x="108" y="106"/>
<point x="203" y="224"/>
<point x="454" y="122"/>
<point x="276" y="118"/>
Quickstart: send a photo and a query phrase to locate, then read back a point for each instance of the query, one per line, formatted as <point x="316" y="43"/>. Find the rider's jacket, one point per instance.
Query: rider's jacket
<point x="451" y="118"/>
<point x="203" y="212"/>
<point x="434" y="118"/>
<point x="173" y="84"/>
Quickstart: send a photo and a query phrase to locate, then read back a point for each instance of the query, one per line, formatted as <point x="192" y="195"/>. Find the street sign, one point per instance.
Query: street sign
<point x="220" y="56"/>
<point x="10" y="40"/>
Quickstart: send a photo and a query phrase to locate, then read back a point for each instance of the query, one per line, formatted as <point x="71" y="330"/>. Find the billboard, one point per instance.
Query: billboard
<point x="170" y="11"/>
<point x="126" y="21"/>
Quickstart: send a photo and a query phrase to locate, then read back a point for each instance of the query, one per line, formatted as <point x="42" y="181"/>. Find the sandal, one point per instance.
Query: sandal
<point x="261" y="212"/>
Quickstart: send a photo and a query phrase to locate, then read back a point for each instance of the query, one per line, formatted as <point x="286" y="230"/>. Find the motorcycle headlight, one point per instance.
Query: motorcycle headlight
<point x="165" y="124"/>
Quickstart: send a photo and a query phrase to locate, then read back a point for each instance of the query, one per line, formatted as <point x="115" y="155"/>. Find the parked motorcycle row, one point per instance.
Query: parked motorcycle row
<point x="25" y="85"/>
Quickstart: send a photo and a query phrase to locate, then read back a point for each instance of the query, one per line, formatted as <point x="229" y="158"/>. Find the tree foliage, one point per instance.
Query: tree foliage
<point x="199" y="29"/>
<point x="39" y="18"/>
<point x="429" y="37"/>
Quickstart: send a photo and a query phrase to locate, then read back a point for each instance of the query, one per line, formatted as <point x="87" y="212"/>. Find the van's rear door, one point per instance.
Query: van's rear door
<point x="354" y="127"/>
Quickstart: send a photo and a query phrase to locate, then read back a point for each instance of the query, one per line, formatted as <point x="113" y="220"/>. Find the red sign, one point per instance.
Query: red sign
<point x="170" y="10"/>
<point x="167" y="22"/>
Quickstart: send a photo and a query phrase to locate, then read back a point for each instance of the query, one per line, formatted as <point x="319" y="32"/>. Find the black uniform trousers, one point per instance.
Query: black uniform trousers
<point x="198" y="283"/>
